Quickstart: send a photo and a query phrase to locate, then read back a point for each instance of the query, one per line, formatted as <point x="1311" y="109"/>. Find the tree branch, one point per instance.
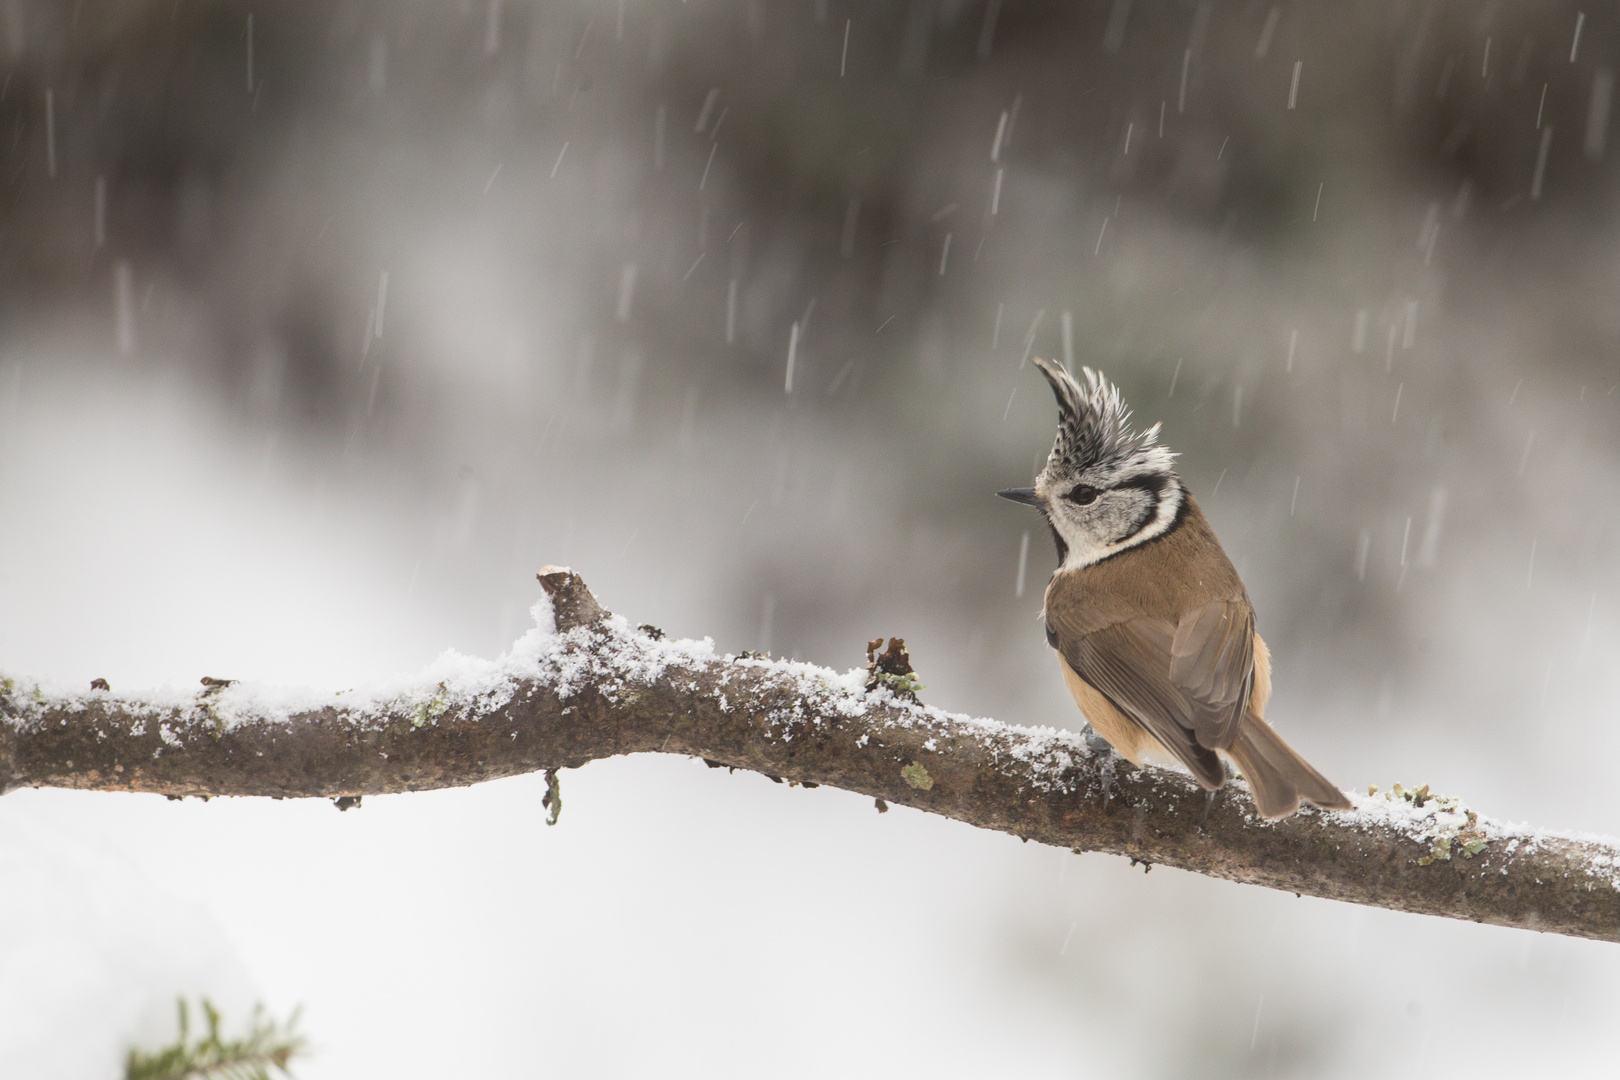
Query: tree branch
<point x="594" y="687"/>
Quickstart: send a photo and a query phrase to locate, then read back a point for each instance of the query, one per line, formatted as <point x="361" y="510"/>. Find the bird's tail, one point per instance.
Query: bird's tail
<point x="1277" y="775"/>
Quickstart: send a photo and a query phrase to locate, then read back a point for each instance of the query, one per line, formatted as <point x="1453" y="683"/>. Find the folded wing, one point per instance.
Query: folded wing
<point x="1187" y="683"/>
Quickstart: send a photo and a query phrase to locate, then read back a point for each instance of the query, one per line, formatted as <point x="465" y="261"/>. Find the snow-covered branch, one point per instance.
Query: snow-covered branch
<point x="586" y="685"/>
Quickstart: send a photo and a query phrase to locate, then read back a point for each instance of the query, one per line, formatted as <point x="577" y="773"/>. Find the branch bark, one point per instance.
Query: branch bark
<point x="595" y="687"/>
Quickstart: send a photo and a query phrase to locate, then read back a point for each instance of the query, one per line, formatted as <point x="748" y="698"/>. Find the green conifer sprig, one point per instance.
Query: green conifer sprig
<point x="267" y="1045"/>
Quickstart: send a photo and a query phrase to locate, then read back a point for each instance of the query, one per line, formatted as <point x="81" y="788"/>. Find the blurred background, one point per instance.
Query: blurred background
<point x="322" y="327"/>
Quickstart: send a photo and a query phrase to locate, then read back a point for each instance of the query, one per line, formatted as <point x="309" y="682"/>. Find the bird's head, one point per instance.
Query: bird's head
<point x="1106" y="487"/>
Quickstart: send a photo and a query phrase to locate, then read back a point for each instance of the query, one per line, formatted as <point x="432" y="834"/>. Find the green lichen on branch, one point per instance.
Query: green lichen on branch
<point x="916" y="774"/>
<point x="902" y="685"/>
<point x="431" y="710"/>
<point x="1452" y="823"/>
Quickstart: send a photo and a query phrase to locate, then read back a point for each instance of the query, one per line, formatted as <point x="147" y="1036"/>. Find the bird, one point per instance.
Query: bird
<point x="1154" y="631"/>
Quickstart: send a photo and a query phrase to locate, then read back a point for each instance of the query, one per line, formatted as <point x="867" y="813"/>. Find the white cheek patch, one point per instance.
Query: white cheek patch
<point x="1083" y="551"/>
<point x="1126" y="512"/>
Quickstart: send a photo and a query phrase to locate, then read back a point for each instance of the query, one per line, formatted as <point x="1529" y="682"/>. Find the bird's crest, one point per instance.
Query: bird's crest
<point x="1094" y="426"/>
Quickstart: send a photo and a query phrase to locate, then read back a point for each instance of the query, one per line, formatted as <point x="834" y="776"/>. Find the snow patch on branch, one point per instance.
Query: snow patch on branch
<point x="1448" y="828"/>
<point x="612" y="657"/>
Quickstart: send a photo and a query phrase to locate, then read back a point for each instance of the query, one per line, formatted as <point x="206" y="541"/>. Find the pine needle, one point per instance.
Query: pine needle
<point x="267" y="1045"/>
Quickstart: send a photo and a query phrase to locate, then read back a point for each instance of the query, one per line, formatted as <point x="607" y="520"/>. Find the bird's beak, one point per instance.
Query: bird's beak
<point x="1026" y="496"/>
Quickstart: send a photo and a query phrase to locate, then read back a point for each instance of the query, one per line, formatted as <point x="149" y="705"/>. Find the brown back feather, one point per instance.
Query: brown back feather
<point x="1165" y="577"/>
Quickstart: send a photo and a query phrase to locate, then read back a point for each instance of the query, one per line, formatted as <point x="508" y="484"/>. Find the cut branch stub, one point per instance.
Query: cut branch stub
<point x="891" y="668"/>
<point x="571" y="601"/>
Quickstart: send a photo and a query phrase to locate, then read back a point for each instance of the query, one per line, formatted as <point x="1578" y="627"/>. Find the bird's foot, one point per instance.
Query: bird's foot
<point x="1209" y="804"/>
<point x="1105" y="750"/>
<point x="1209" y="796"/>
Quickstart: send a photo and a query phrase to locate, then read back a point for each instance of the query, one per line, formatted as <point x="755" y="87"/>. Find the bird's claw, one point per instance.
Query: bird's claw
<point x="1105" y="750"/>
<point x="1209" y="804"/>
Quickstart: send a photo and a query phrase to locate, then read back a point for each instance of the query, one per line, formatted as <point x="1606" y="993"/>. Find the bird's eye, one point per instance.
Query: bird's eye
<point x="1084" y="495"/>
